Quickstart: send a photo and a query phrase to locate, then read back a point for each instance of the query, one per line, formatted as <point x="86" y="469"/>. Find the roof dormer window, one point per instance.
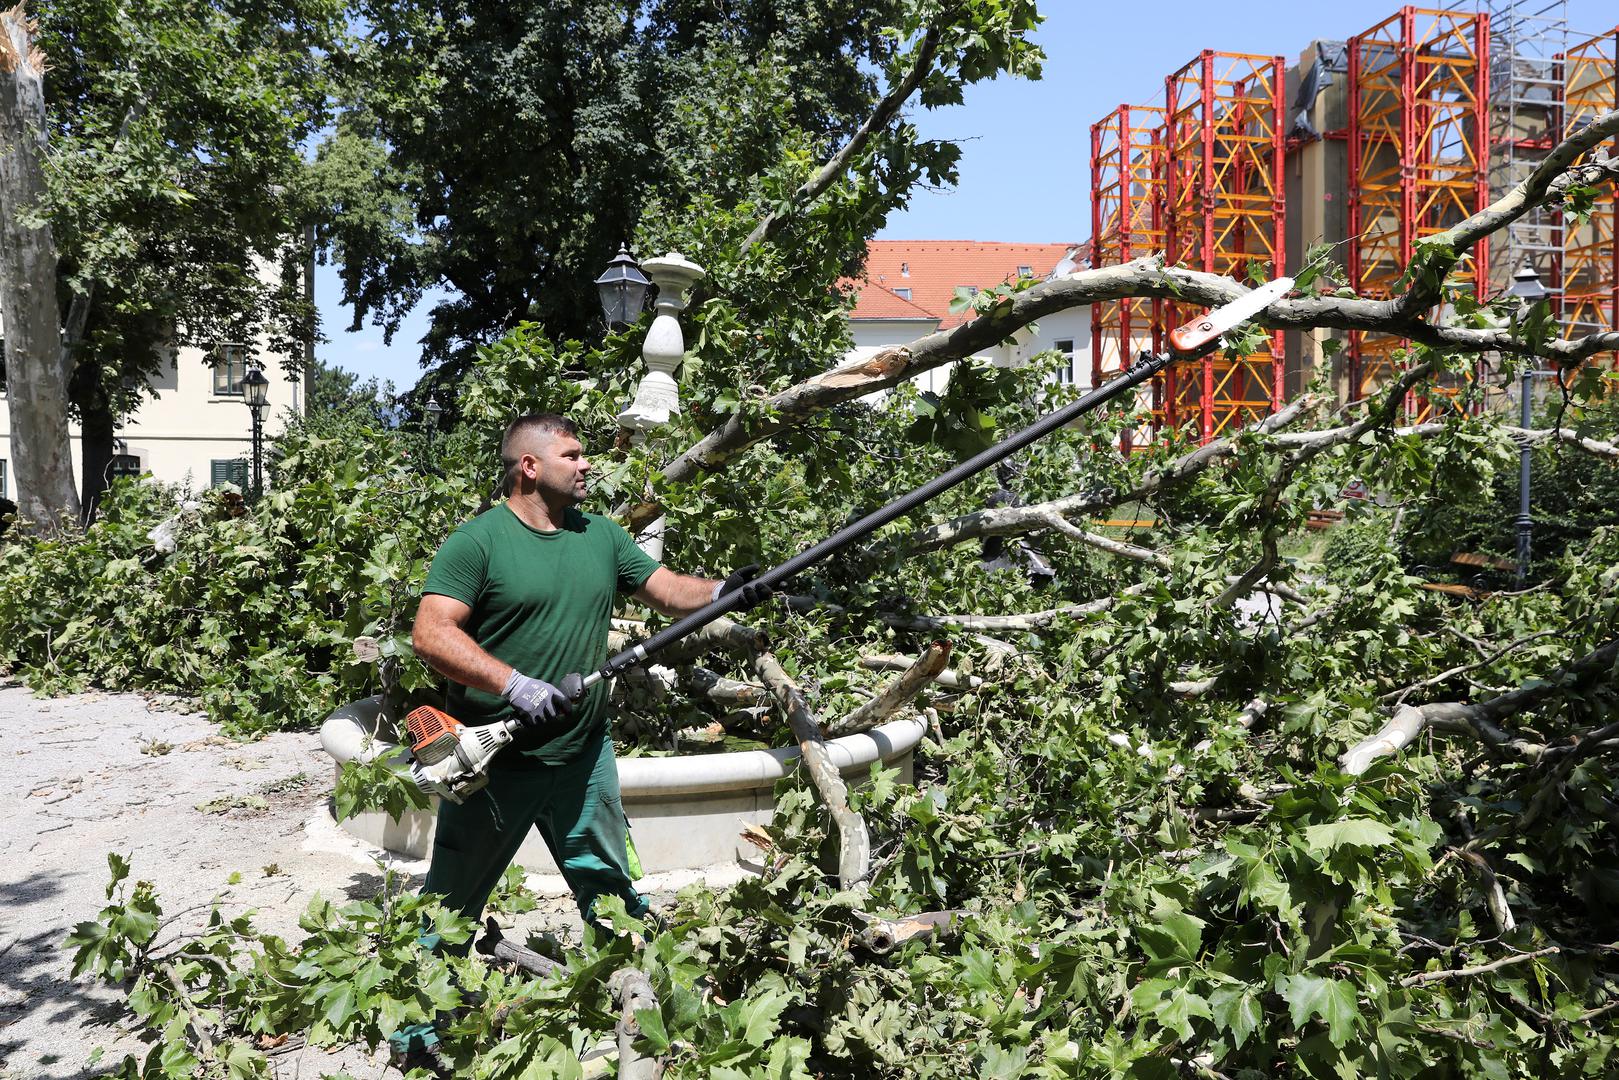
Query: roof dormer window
<point x="903" y="294"/>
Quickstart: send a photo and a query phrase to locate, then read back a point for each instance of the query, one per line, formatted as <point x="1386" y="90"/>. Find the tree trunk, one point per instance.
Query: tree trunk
<point x="36" y="363"/>
<point x="97" y="430"/>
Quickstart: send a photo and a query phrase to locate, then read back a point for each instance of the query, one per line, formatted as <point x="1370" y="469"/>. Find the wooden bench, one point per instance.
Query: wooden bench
<point x="1323" y="519"/>
<point x="1491" y="562"/>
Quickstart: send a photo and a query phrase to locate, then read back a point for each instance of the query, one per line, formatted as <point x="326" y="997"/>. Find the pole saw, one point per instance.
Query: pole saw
<point x="452" y="759"/>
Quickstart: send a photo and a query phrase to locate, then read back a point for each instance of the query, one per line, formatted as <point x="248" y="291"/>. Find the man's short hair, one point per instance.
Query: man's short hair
<point x="523" y="429"/>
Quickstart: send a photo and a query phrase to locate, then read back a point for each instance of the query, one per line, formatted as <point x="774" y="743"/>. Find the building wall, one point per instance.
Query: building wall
<point x="177" y="433"/>
<point x="873" y="335"/>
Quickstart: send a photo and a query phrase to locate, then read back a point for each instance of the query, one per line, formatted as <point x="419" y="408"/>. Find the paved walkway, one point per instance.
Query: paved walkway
<point x="97" y="773"/>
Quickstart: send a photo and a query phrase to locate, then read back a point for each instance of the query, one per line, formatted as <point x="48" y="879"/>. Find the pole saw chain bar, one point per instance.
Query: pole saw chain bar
<point x="1195" y="339"/>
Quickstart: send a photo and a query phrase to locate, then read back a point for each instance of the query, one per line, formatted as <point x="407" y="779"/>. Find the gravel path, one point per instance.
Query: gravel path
<point x="114" y="772"/>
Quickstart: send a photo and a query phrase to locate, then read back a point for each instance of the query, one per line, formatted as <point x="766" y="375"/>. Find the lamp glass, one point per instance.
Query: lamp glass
<point x="255" y="389"/>
<point x="622" y="288"/>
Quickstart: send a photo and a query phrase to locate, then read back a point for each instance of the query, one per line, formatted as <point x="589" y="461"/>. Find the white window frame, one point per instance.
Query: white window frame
<point x="1065" y="375"/>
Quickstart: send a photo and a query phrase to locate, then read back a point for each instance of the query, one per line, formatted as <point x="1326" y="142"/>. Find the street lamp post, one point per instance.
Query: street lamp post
<point x="256" y="392"/>
<point x="434" y="411"/>
<point x="1527" y="288"/>
<point x="623" y="290"/>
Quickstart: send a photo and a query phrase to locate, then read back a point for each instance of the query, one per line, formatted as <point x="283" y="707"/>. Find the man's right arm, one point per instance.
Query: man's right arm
<point x="441" y="639"/>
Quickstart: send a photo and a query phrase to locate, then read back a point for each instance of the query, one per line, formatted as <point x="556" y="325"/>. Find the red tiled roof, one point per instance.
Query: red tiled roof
<point x="933" y="269"/>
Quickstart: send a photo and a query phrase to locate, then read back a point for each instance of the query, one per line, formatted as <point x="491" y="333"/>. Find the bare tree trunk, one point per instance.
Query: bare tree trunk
<point x="36" y="364"/>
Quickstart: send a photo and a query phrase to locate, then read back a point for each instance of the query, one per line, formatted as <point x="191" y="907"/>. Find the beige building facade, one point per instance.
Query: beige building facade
<point x="194" y="428"/>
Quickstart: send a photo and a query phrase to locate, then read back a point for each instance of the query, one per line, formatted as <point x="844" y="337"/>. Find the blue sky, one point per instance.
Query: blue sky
<point x="1025" y="170"/>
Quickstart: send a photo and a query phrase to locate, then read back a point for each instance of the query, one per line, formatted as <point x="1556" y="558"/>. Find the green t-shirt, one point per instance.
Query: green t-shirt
<point x="541" y="601"/>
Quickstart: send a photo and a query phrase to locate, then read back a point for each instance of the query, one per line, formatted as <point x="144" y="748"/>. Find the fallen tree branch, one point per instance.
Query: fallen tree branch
<point x="894" y="697"/>
<point x="1481" y="969"/>
<point x="1481" y="718"/>
<point x="1036" y="517"/>
<point x="495" y="946"/>
<point x="1537" y="436"/>
<point x="205" y="1041"/>
<point x="1106" y="543"/>
<point x="854" y="848"/>
<point x="721" y="690"/>
<point x="883" y="936"/>
<point x="1149" y="277"/>
<point x="632" y="991"/>
<point x="1399" y="696"/>
<point x="1029" y="620"/>
<point x="949" y="678"/>
<point x="1495" y="898"/>
<point x="722" y="633"/>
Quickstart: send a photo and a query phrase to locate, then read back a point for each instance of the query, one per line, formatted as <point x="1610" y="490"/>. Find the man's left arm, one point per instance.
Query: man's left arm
<point x="676" y="594"/>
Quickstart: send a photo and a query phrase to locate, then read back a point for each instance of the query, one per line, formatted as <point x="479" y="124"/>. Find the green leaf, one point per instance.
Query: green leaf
<point x="1353" y="832"/>
<point x="338" y="1005"/>
<point x="1236" y="1009"/>
<point x="1177" y="1008"/>
<point x="652" y="1029"/>
<point x="759" y="1016"/>
<point x="1333" y="1000"/>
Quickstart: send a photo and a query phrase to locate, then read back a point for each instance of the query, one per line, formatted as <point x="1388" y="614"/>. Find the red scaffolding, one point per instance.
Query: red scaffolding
<point x="1224" y="213"/>
<point x="1418" y="155"/>
<point x="1589" y="302"/>
<point x="1126" y="222"/>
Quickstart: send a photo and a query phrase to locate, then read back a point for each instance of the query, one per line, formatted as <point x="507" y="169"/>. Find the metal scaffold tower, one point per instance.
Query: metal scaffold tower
<point x="1418" y="156"/>
<point x="1224" y="213"/>
<point x="1589" y="302"/>
<point x="1126" y="222"/>
<point x="1527" y="42"/>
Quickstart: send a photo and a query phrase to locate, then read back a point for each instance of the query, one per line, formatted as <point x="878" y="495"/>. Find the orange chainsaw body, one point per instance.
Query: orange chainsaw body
<point x="434" y="734"/>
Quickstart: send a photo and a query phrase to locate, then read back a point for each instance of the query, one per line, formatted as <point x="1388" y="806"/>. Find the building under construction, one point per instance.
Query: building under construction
<point x="1247" y="164"/>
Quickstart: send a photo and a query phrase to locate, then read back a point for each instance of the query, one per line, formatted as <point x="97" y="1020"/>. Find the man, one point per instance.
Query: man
<point x="517" y="598"/>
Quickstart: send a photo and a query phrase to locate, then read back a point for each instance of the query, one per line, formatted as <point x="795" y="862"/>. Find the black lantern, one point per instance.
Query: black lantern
<point x="1526" y="286"/>
<point x="623" y="289"/>
<point x="256" y="393"/>
<point x="434" y="410"/>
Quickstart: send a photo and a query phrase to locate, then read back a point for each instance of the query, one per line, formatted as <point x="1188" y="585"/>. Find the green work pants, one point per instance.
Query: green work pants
<point x="578" y="812"/>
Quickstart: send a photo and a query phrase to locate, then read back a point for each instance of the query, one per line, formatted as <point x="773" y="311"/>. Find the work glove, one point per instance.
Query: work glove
<point x="754" y="593"/>
<point x="538" y="702"/>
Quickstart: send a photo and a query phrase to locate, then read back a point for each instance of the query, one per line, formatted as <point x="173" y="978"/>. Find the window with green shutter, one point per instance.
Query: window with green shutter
<point x="228" y="471"/>
<point x="2" y="478"/>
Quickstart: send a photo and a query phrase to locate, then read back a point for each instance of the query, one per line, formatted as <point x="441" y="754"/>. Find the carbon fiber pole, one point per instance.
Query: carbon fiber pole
<point x="1142" y="370"/>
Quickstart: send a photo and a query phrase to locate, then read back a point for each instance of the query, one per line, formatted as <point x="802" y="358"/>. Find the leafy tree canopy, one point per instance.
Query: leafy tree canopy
<point x="503" y="152"/>
<point x="176" y="188"/>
